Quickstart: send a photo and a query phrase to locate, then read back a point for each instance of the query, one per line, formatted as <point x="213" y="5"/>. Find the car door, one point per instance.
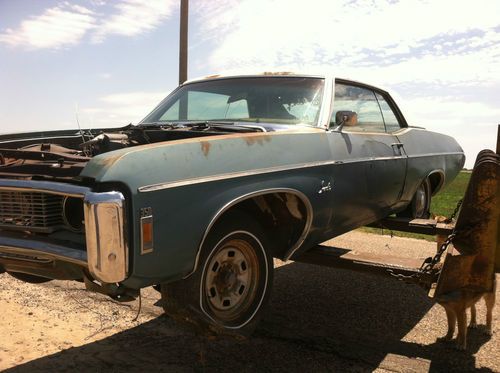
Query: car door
<point x="371" y="177"/>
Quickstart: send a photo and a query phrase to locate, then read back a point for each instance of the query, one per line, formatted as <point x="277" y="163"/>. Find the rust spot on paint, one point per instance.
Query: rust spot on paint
<point x="108" y="160"/>
<point x="257" y="139"/>
<point x="205" y="147"/>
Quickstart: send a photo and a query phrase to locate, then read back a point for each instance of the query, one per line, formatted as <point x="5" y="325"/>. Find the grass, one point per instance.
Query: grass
<point x="442" y="204"/>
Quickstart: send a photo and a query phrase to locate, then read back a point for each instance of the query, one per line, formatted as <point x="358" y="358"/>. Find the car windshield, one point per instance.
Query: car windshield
<point x="285" y="100"/>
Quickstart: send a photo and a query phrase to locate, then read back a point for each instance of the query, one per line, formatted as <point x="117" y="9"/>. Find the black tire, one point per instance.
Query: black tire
<point x="230" y="289"/>
<point x="419" y="207"/>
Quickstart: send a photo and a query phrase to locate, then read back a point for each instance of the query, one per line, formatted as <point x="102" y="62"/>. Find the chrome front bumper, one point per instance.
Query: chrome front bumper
<point x="106" y="255"/>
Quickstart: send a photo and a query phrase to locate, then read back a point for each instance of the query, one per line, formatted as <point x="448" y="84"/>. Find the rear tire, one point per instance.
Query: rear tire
<point x="229" y="290"/>
<point x="419" y="207"/>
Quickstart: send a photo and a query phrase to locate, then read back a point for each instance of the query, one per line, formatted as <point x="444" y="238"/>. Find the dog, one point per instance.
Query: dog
<point x="457" y="302"/>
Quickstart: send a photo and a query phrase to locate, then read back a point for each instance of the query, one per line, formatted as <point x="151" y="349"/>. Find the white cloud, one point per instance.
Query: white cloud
<point x="362" y="35"/>
<point x="134" y="17"/>
<point x="437" y="50"/>
<point x="473" y="124"/>
<point x="120" y="109"/>
<point x="56" y="27"/>
<point x="67" y="24"/>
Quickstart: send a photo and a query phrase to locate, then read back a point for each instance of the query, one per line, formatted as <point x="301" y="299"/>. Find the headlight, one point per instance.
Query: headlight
<point x="73" y="213"/>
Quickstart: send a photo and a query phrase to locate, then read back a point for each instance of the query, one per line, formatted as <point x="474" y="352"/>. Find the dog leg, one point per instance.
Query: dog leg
<point x="473" y="321"/>
<point x="452" y="319"/>
<point x="490" y="302"/>
<point x="462" y="329"/>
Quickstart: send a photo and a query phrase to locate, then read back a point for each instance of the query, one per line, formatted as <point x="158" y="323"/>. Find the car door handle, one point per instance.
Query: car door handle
<point x="397" y="145"/>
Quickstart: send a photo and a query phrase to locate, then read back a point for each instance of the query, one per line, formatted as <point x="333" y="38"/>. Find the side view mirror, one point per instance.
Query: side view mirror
<point x="345" y="118"/>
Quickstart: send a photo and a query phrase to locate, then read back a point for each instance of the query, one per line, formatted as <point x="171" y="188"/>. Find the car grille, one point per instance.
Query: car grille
<point x="32" y="211"/>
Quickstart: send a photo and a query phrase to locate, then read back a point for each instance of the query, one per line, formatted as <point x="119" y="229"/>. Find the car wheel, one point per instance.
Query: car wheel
<point x="419" y="207"/>
<point x="231" y="286"/>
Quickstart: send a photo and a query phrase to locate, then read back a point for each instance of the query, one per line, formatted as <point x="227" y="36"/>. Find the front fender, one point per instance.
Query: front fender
<point x="182" y="217"/>
<point x="187" y="183"/>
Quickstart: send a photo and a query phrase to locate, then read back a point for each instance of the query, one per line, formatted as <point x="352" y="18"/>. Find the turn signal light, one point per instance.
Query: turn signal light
<point x="146" y="230"/>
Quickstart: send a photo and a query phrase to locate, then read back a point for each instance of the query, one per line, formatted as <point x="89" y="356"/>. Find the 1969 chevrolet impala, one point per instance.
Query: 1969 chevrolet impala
<point x="223" y="175"/>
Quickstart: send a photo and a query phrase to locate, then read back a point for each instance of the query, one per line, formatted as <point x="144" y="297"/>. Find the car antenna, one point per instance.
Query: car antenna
<point x="78" y="122"/>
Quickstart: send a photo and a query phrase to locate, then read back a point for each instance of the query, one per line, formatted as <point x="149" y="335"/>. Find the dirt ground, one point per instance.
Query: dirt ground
<point x="319" y="319"/>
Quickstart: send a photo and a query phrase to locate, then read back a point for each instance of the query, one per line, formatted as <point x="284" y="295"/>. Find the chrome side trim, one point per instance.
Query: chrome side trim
<point x="230" y="175"/>
<point x="434" y="154"/>
<point x="107" y="248"/>
<point x="235" y="201"/>
<point x="22" y="246"/>
<point x="260" y="171"/>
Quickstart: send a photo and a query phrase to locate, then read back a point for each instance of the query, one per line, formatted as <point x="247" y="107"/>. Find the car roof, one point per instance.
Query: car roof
<point x="258" y="74"/>
<point x="281" y="74"/>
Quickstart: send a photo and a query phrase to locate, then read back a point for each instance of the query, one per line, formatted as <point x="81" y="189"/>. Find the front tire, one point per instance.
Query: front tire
<point x="231" y="286"/>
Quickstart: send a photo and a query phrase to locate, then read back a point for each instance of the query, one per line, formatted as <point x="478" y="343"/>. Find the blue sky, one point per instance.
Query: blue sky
<point x="113" y="61"/>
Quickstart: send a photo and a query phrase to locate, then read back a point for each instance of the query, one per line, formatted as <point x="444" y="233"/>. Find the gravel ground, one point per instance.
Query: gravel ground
<point x="319" y="319"/>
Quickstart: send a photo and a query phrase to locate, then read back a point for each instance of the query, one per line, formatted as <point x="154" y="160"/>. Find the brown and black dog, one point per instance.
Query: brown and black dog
<point x="455" y="305"/>
<point x="457" y="302"/>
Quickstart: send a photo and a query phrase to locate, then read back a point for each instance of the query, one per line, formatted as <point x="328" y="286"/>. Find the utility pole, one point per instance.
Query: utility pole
<point x="183" y="42"/>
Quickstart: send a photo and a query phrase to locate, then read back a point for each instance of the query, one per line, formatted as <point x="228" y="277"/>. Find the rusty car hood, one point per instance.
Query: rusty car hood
<point x="75" y="154"/>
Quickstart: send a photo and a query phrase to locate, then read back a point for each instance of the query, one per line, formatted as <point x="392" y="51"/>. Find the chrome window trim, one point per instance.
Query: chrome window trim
<point x="326" y="81"/>
<point x="324" y="114"/>
<point x="233" y="202"/>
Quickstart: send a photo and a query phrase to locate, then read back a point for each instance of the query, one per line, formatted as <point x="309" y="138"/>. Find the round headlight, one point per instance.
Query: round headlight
<point x="73" y="213"/>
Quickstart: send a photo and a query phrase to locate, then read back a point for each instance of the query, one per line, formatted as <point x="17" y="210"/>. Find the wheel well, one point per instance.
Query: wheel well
<point x="284" y="216"/>
<point x="436" y="179"/>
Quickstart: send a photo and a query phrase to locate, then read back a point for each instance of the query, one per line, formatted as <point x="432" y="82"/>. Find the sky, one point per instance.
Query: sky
<point x="108" y="63"/>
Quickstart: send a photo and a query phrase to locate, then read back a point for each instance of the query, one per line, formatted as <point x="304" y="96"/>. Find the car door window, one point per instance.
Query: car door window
<point x="361" y="101"/>
<point x="390" y="119"/>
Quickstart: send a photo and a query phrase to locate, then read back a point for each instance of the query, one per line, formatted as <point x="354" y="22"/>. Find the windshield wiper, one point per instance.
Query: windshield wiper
<point x="206" y="125"/>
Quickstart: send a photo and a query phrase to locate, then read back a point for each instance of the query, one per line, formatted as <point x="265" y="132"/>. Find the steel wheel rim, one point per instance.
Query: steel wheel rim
<point x="231" y="280"/>
<point x="420" y="200"/>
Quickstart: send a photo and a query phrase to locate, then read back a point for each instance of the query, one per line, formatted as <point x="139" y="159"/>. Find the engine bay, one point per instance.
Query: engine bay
<point x="64" y="154"/>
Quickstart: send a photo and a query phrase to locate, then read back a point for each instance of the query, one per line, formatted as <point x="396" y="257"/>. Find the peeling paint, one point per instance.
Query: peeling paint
<point x="205" y="147"/>
<point x="259" y="139"/>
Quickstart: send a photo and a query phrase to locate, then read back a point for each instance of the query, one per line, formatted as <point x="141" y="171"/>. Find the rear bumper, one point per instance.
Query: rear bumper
<point x="105" y="254"/>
